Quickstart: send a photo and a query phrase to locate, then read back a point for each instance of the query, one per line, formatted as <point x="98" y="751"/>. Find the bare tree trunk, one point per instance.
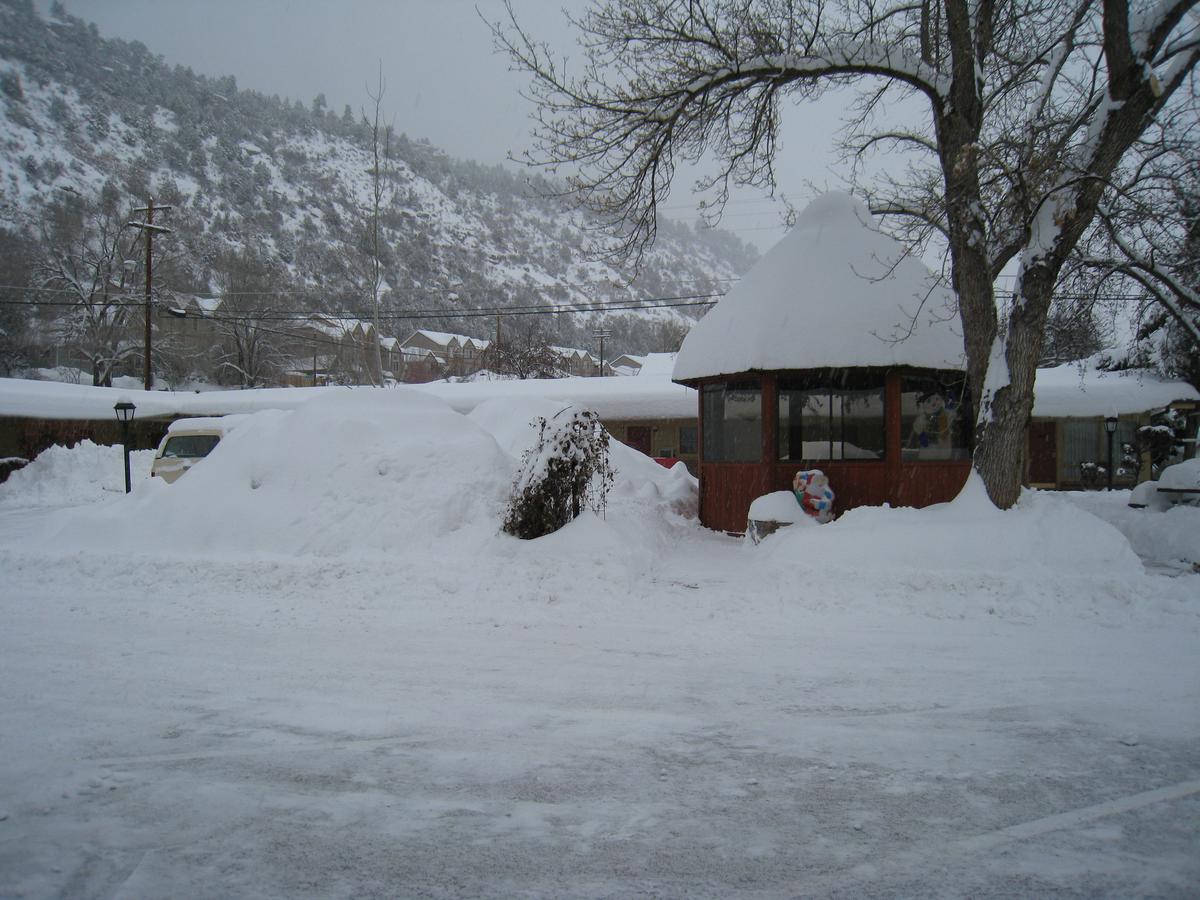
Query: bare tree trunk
<point x="379" y="157"/>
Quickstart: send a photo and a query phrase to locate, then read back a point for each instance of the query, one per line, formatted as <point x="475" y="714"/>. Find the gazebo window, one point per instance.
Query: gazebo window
<point x="935" y="419"/>
<point x="687" y="439"/>
<point x="732" y="417"/>
<point x="818" y="422"/>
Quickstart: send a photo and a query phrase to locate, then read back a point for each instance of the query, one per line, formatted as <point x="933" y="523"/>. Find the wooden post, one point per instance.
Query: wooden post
<point x="147" y="368"/>
<point x="148" y="228"/>
<point x="770" y="432"/>
<point x="893" y="439"/>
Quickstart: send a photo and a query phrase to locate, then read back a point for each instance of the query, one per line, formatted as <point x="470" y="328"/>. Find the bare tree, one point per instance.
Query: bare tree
<point x="1148" y="244"/>
<point x="525" y="353"/>
<point x="1032" y="105"/>
<point x="18" y="302"/>
<point x="381" y="139"/>
<point x="252" y="347"/>
<point x="91" y="262"/>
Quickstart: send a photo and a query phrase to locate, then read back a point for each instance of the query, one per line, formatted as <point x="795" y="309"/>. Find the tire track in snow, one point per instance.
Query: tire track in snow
<point x="1075" y="817"/>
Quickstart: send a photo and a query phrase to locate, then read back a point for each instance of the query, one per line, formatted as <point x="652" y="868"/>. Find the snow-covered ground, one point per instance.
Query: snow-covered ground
<point x="314" y="666"/>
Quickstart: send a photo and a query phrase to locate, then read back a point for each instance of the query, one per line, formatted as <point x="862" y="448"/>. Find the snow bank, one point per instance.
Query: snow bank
<point x="384" y="472"/>
<point x="339" y="475"/>
<point x="401" y="485"/>
<point x="1045" y="534"/>
<point x="1167" y="538"/>
<point x="71" y="476"/>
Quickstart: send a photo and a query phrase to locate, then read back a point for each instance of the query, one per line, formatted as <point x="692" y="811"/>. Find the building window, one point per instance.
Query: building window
<point x="820" y="422"/>
<point x="687" y="439"/>
<point x="1085" y="451"/>
<point x="935" y="420"/>
<point x="732" y="422"/>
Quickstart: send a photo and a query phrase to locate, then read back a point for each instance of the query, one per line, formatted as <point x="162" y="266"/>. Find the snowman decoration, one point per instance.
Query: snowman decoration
<point x="811" y="487"/>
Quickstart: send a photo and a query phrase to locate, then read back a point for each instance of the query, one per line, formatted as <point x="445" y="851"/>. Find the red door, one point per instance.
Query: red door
<point x="638" y="437"/>
<point x="1043" y="453"/>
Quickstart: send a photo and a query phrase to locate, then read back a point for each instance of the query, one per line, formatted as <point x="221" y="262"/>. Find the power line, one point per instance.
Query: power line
<point x="480" y="313"/>
<point x="458" y="291"/>
<point x="681" y="300"/>
<point x="515" y="309"/>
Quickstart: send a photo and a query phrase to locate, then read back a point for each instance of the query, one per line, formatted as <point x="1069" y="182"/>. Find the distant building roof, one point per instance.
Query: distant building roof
<point x="444" y="338"/>
<point x="575" y="353"/>
<point x="1081" y="390"/>
<point x="1065" y="391"/>
<point x="650" y="364"/>
<point x="835" y="291"/>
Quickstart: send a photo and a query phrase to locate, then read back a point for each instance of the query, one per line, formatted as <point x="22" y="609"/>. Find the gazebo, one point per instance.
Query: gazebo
<point x="837" y="351"/>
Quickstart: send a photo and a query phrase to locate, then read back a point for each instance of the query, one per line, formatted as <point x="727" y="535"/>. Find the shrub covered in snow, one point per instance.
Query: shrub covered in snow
<point x="566" y="468"/>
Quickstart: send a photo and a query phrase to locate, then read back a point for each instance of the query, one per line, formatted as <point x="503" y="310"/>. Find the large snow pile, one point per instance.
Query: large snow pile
<point x="1167" y="538"/>
<point x="71" y="476"/>
<point x="384" y="472"/>
<point x="1047" y="555"/>
<point x="1045" y="533"/>
<point x="403" y="477"/>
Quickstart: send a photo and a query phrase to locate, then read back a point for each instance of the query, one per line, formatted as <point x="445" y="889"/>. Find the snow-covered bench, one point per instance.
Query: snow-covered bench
<point x="1178" y="484"/>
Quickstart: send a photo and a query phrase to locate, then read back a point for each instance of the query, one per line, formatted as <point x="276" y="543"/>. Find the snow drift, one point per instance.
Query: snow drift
<point x="387" y="472"/>
<point x="71" y="476"/>
<point x="1045" y="533"/>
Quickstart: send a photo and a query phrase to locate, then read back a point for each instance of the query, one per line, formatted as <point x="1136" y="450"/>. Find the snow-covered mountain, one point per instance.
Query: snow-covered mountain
<point x="83" y="118"/>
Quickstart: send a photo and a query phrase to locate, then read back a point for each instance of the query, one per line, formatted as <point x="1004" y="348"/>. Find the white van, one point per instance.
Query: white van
<point x="188" y="441"/>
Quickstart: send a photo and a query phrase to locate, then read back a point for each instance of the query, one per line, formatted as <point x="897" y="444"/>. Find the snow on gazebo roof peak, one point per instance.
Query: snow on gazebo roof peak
<point x="835" y="291"/>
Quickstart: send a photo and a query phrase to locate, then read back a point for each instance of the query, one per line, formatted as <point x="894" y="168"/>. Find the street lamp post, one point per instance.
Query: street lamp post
<point x="124" y="410"/>
<point x="1110" y="425"/>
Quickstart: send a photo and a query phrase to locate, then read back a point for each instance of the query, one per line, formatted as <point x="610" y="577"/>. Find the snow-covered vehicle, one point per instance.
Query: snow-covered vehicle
<point x="188" y="441"/>
<point x="1179" y="483"/>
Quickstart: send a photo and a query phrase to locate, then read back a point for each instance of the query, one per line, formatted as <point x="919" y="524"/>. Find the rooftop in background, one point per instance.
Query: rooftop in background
<point x="627" y="398"/>
<point x="1070" y="390"/>
<point x="656" y="364"/>
<point x="444" y="338"/>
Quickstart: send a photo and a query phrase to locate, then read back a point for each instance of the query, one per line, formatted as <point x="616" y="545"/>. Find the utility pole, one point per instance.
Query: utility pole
<point x="600" y="334"/>
<point x="148" y="228"/>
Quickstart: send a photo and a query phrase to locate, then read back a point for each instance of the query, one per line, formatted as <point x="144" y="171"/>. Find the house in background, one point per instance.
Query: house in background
<point x="344" y="345"/>
<point x="1068" y="438"/>
<point x="430" y="355"/>
<point x="578" y="362"/>
<point x="666" y="438"/>
<point x="837" y="351"/>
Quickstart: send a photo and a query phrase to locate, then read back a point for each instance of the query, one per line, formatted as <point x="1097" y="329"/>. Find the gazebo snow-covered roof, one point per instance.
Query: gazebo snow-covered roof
<point x="835" y="292"/>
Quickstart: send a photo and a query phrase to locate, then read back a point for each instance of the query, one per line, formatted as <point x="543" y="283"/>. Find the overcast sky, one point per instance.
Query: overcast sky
<point x="445" y="82"/>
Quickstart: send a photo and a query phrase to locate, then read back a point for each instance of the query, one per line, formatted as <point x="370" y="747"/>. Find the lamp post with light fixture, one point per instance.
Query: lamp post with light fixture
<point x="1110" y="425"/>
<point x="124" y="410"/>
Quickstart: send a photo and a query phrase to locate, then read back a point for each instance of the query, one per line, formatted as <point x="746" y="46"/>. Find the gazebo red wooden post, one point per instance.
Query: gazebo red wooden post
<point x="770" y="433"/>
<point x="891" y="407"/>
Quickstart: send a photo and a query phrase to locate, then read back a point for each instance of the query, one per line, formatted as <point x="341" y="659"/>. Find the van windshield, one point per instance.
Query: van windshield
<point x="190" y="446"/>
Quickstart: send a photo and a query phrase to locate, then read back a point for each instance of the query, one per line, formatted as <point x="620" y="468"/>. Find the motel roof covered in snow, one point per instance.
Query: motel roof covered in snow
<point x="1071" y="390"/>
